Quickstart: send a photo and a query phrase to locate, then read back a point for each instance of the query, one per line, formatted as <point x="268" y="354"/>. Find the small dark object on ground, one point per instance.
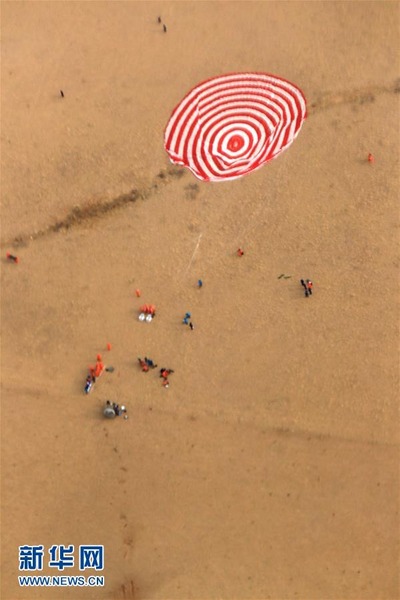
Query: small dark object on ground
<point x="12" y="257"/>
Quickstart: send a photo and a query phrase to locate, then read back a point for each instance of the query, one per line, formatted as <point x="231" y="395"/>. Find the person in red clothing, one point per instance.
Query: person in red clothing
<point x="143" y="364"/>
<point x="99" y="368"/>
<point x="165" y="372"/>
<point x="148" y="309"/>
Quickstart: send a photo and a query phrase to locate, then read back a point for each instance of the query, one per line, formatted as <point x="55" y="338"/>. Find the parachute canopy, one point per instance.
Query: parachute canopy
<point x="231" y="125"/>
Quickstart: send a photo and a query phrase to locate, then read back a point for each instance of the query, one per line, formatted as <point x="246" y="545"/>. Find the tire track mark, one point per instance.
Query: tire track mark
<point x="82" y="214"/>
<point x="359" y="96"/>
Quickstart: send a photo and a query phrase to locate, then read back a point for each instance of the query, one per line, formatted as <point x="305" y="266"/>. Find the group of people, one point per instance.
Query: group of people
<point x="94" y="372"/>
<point x="186" y="318"/>
<point x="147" y="312"/>
<point x="112" y="409"/>
<point x="147" y="363"/>
<point x="148" y="309"/>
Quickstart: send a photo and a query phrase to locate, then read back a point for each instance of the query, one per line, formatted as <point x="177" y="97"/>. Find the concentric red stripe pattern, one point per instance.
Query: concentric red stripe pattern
<point x="230" y="125"/>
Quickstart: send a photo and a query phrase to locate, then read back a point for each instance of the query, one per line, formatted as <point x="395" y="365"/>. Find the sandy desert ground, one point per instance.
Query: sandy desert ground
<point x="270" y="467"/>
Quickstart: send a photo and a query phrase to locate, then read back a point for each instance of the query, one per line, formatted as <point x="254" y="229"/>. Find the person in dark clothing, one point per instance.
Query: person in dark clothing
<point x="149" y="363"/>
<point x="118" y="409"/>
<point x="303" y="283"/>
<point x="308" y="287"/>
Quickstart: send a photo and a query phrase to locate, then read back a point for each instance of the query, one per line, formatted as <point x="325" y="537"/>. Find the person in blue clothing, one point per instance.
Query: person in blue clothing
<point x="149" y="362"/>
<point x="90" y="380"/>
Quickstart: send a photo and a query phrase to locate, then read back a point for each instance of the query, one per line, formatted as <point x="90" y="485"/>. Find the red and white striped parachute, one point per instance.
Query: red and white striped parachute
<point x="230" y="125"/>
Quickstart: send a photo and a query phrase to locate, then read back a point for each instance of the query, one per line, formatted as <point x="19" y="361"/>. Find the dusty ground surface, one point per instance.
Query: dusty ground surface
<point x="269" y="468"/>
